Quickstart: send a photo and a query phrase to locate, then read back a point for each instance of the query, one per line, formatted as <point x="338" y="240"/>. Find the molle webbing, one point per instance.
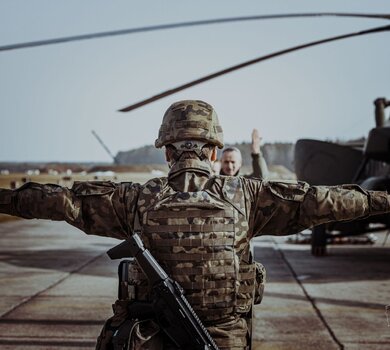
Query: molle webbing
<point x="217" y="301"/>
<point x="201" y="241"/>
<point x="229" y="213"/>
<point x="138" y="283"/>
<point x="196" y="257"/>
<point x="189" y="228"/>
<point x="203" y="271"/>
<point x="207" y="284"/>
<point x="199" y="238"/>
<point x="195" y="242"/>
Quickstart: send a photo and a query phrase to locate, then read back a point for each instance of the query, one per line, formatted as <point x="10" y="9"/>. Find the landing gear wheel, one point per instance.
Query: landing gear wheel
<point x="318" y="241"/>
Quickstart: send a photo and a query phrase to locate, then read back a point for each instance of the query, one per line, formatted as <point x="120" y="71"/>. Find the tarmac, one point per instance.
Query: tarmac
<point x="57" y="287"/>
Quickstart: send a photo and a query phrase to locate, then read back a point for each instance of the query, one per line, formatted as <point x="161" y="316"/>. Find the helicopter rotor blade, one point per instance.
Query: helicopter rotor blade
<point x="248" y="63"/>
<point x="186" y="24"/>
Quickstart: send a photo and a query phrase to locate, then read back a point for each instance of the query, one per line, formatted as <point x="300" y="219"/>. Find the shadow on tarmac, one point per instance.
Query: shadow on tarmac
<point x="365" y="263"/>
<point x="65" y="260"/>
<point x="346" y="264"/>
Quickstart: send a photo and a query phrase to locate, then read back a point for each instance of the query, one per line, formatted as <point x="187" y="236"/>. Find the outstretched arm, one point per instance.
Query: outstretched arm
<point x="283" y="208"/>
<point x="100" y="208"/>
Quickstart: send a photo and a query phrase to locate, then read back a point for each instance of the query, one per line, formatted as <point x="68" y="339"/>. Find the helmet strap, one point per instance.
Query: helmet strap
<point x="189" y="146"/>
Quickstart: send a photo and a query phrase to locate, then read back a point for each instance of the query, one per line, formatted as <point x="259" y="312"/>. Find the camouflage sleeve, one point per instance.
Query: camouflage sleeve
<point x="257" y="173"/>
<point x="259" y="166"/>
<point x="99" y="208"/>
<point x="263" y="166"/>
<point x="282" y="208"/>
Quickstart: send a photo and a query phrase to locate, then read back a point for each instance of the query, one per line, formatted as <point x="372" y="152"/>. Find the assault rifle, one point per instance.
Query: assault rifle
<point x="172" y="311"/>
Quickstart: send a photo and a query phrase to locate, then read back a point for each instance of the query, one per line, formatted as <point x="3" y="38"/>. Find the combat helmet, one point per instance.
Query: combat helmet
<point x="190" y="120"/>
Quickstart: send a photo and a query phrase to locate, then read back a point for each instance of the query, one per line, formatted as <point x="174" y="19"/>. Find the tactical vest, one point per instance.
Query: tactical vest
<point x="201" y="240"/>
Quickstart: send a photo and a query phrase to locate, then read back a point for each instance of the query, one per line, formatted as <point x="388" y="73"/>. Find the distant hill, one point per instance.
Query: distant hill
<point x="149" y="158"/>
<point x="274" y="153"/>
<point x="143" y="155"/>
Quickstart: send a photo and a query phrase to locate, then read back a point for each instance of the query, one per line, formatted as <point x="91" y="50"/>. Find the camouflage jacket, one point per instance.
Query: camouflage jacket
<point x="274" y="208"/>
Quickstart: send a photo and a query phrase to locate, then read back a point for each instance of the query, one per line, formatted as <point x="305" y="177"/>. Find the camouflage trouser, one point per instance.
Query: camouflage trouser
<point x="233" y="334"/>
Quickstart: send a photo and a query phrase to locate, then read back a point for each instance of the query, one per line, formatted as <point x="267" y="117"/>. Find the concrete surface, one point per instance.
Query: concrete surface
<point x="57" y="286"/>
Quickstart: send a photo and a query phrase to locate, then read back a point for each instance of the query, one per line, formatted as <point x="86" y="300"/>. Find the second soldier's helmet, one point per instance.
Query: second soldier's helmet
<point x="190" y="120"/>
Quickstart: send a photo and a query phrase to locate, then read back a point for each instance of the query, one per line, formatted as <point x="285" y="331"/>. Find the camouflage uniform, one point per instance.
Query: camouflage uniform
<point x="198" y="227"/>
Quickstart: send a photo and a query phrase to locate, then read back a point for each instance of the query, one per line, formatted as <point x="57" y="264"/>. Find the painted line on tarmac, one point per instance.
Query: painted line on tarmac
<point x="309" y="298"/>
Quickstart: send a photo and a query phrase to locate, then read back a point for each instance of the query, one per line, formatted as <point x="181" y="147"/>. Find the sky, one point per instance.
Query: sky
<point x="51" y="97"/>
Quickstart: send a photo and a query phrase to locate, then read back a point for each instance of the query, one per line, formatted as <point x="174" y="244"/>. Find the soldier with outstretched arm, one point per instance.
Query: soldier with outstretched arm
<point x="197" y="226"/>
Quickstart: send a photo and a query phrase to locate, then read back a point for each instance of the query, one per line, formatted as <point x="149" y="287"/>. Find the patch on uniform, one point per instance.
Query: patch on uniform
<point x="289" y="190"/>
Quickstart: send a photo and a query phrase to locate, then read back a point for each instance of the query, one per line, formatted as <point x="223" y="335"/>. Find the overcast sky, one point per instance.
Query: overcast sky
<point x="51" y="97"/>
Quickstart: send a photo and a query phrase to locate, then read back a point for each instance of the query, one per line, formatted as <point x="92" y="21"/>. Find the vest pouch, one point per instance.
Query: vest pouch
<point x="133" y="284"/>
<point x="259" y="282"/>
